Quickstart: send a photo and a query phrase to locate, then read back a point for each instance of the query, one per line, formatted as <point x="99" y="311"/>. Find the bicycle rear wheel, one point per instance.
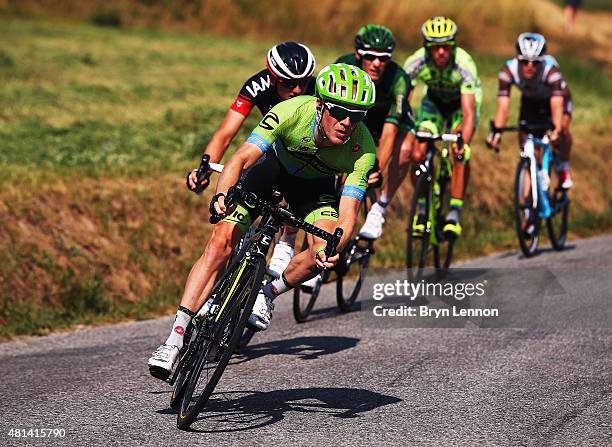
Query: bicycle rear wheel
<point x="443" y="250"/>
<point x="356" y="259"/>
<point x="303" y="299"/>
<point x="217" y="340"/>
<point x="557" y="222"/>
<point x="526" y="216"/>
<point x="417" y="244"/>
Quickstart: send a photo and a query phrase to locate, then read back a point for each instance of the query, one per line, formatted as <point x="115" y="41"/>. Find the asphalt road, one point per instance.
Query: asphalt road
<point x="340" y="379"/>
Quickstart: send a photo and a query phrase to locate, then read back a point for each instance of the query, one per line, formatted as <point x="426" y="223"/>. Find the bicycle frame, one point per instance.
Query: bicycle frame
<point x="433" y="172"/>
<point x="539" y="187"/>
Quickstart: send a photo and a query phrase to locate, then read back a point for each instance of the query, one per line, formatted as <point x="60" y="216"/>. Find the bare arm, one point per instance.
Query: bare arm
<point x="468" y="101"/>
<point x="385" y="148"/>
<point x="503" y="110"/>
<point x="556" y="111"/>
<point x="224" y="135"/>
<point x="347" y="218"/>
<point x="348" y="209"/>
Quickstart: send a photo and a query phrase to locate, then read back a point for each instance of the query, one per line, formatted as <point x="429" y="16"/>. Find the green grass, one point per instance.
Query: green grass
<point x="119" y="106"/>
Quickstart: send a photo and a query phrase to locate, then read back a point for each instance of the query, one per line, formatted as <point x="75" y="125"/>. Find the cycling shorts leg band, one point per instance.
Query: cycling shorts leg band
<point x="240" y="217"/>
<point x="324" y="213"/>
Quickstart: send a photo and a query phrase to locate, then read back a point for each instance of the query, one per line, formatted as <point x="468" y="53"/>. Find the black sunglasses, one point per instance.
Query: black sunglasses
<point x="371" y="57"/>
<point x="291" y="84"/>
<point x="528" y="62"/>
<point x="341" y="113"/>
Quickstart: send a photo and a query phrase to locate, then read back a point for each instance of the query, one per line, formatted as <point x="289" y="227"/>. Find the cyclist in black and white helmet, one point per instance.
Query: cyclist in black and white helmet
<point x="545" y="97"/>
<point x="288" y="73"/>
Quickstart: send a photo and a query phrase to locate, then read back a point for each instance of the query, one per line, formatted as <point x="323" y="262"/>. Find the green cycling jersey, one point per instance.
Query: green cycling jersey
<point x="445" y="86"/>
<point x="289" y="130"/>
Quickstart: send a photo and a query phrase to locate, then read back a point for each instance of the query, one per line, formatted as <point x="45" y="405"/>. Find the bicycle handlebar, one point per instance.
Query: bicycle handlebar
<point x="203" y="172"/>
<point x="522" y="127"/>
<point x="282" y="214"/>
<point x="447" y="137"/>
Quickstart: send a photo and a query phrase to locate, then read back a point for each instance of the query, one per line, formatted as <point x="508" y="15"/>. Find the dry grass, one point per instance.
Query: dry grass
<point x="488" y="26"/>
<point x="98" y="126"/>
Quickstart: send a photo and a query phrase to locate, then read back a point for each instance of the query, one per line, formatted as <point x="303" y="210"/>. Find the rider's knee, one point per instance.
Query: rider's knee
<point x="418" y="152"/>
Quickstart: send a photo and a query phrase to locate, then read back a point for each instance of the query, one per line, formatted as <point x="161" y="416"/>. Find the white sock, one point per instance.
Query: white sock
<point x="383" y="199"/>
<point x="178" y="329"/>
<point x="276" y="287"/>
<point x="379" y="208"/>
<point x="288" y="236"/>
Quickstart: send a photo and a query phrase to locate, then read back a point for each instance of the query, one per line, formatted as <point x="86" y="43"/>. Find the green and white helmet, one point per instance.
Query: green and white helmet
<point x="374" y="39"/>
<point x="346" y="85"/>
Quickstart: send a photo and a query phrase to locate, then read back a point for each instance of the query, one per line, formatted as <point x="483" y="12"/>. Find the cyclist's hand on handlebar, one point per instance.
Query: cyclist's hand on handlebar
<point x="192" y="181"/>
<point x="554" y="136"/>
<point x="323" y="262"/>
<point x="493" y="139"/>
<point x="375" y="178"/>
<point x="217" y="208"/>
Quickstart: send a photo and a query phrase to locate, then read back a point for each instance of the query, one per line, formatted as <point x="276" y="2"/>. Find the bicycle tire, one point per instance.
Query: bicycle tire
<point x="245" y="339"/>
<point x="183" y="374"/>
<point x="416" y="247"/>
<point x="353" y="255"/>
<point x="527" y="241"/>
<point x="557" y="223"/>
<point x="304" y="301"/>
<point x="231" y="327"/>
<point x="443" y="251"/>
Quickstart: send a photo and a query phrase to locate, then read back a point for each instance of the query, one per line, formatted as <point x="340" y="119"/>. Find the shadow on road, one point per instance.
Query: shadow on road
<point x="247" y="410"/>
<point x="305" y="348"/>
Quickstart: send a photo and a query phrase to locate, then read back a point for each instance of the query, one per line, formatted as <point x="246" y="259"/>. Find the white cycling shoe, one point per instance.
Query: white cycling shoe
<point x="372" y="228"/>
<point x="162" y="361"/>
<point x="281" y="256"/>
<point x="260" y="318"/>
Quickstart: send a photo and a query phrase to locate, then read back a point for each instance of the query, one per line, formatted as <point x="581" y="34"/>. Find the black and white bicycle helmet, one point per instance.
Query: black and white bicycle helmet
<point x="290" y="60"/>
<point x="530" y="46"/>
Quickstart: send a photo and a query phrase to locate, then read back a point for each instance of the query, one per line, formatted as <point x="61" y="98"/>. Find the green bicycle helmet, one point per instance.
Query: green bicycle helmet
<point x="347" y="85"/>
<point x="375" y="38"/>
<point x="439" y="30"/>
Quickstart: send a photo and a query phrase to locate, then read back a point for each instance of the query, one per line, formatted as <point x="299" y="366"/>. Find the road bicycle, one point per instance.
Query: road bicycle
<point x="349" y="272"/>
<point x="430" y="198"/>
<point x="212" y="337"/>
<point x="536" y="201"/>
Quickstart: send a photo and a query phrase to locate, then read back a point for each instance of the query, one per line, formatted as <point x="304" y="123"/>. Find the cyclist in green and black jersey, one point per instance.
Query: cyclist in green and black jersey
<point x="307" y="142"/>
<point x="453" y="98"/>
<point x="390" y="117"/>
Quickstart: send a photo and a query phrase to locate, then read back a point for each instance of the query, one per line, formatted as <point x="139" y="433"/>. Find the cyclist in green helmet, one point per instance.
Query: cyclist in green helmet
<point x="453" y="98"/>
<point x="390" y="117"/>
<point x="298" y="148"/>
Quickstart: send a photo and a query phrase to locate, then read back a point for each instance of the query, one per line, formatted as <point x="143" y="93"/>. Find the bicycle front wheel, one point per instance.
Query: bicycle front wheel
<point x="525" y="214"/>
<point x="417" y="243"/>
<point x="218" y="339"/>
